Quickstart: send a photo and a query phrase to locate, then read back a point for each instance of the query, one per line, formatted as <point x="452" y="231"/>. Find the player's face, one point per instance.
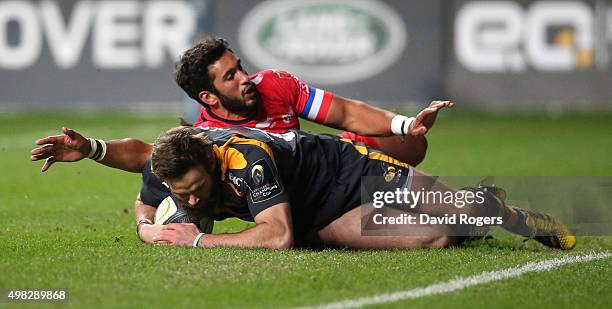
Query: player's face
<point x="195" y="188"/>
<point x="232" y="85"/>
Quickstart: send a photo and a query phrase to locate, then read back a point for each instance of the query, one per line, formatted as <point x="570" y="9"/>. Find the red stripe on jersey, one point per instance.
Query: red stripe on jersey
<point x="327" y="99"/>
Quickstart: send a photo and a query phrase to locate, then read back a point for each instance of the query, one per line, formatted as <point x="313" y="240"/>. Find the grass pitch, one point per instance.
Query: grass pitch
<point x="72" y="227"/>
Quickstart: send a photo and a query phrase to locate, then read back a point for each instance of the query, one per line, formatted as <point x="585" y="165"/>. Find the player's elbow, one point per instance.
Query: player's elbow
<point x="275" y="228"/>
<point x="283" y="241"/>
<point x="136" y="153"/>
<point x="417" y="150"/>
<point x="418" y="158"/>
<point x="352" y="121"/>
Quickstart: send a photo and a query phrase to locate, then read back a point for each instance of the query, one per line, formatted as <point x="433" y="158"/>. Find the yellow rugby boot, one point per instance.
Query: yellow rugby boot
<point x="548" y="230"/>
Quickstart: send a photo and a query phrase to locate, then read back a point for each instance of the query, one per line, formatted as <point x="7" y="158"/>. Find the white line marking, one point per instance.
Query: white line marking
<point x="462" y="283"/>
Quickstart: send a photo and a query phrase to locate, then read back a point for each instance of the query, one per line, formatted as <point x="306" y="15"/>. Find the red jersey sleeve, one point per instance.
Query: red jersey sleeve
<point x="308" y="102"/>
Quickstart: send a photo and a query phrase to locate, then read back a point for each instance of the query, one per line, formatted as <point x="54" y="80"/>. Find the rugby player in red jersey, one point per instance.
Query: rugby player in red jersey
<point x="272" y="100"/>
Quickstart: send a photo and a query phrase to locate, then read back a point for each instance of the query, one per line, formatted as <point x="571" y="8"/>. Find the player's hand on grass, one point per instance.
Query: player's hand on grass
<point x="426" y="118"/>
<point x="177" y="234"/>
<point x="69" y="147"/>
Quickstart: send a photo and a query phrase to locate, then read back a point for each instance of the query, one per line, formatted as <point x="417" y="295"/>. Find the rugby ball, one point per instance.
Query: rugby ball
<point x="171" y="212"/>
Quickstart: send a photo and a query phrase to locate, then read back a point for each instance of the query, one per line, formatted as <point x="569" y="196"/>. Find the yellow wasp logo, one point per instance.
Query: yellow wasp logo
<point x="390" y="173"/>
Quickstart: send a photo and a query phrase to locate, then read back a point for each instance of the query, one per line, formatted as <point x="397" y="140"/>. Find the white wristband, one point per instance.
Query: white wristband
<point x="400" y="124"/>
<point x="94" y="147"/>
<point x="196" y="240"/>
<point x="103" y="151"/>
<point x="98" y="149"/>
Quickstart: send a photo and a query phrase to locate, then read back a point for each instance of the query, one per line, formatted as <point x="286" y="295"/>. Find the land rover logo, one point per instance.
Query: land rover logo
<point x="323" y="41"/>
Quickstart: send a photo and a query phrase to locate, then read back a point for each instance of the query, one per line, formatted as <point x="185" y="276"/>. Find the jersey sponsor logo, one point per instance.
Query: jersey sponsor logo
<point x="324" y="41"/>
<point x="235" y="180"/>
<point x="262" y="182"/>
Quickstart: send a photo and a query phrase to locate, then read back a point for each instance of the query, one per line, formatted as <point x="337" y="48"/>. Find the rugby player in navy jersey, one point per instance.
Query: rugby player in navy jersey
<point x="298" y="188"/>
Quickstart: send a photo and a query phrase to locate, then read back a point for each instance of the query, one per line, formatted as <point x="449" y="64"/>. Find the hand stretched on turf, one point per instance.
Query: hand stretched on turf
<point x="69" y="147"/>
<point x="426" y="118"/>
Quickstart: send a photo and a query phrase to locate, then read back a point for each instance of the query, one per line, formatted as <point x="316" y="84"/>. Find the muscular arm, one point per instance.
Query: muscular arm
<point x="359" y="117"/>
<point x="142" y="211"/>
<point x="273" y="230"/>
<point x="127" y="154"/>
<point x="363" y="119"/>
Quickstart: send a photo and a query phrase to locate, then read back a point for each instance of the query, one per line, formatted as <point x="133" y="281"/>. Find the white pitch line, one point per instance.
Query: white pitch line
<point x="462" y="283"/>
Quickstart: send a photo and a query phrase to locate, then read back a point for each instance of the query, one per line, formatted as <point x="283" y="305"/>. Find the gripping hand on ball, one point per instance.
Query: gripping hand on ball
<point x="177" y="234"/>
<point x="68" y="147"/>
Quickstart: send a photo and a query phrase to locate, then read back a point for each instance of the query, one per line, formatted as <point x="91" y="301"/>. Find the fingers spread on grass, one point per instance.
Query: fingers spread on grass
<point x="47" y="164"/>
<point x="42" y="151"/>
<point x="38" y="157"/>
<point x="50" y="140"/>
<point x="68" y="132"/>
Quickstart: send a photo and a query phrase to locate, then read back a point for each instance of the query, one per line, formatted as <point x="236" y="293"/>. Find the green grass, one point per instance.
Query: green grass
<point x="72" y="227"/>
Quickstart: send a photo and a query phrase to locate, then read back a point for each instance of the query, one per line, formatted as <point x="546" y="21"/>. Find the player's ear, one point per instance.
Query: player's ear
<point x="208" y="98"/>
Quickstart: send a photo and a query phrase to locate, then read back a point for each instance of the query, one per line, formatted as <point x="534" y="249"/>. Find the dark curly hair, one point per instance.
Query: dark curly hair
<point x="191" y="72"/>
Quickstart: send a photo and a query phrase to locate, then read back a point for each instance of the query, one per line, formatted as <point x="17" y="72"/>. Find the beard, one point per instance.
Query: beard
<point x="237" y="105"/>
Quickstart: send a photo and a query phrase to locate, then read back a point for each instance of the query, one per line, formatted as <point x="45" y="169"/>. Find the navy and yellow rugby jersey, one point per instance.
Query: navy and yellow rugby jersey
<point x="319" y="175"/>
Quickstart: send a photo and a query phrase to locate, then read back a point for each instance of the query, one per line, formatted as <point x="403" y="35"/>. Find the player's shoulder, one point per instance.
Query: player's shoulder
<point x="273" y="76"/>
<point x="243" y="138"/>
<point x="251" y="146"/>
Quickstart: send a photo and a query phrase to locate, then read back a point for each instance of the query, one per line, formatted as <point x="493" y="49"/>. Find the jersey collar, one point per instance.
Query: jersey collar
<point x="231" y="121"/>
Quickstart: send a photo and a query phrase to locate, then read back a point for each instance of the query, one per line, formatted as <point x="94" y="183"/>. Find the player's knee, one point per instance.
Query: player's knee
<point x="443" y="241"/>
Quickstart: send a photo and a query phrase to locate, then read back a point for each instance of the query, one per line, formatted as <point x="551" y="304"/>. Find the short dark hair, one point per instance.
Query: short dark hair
<point x="178" y="150"/>
<point x="191" y="72"/>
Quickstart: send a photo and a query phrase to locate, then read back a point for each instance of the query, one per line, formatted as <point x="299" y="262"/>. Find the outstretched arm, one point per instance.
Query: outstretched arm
<point x="126" y="154"/>
<point x="273" y="230"/>
<point x="145" y="214"/>
<point x="363" y="119"/>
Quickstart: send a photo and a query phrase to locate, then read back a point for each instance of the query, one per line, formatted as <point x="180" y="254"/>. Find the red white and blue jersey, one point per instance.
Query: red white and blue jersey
<point x="284" y="97"/>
